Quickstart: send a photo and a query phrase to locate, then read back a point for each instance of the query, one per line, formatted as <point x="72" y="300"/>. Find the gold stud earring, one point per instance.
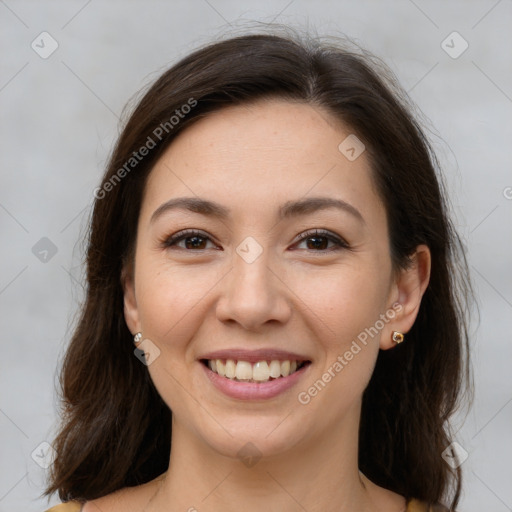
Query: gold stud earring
<point x="397" y="337"/>
<point x="137" y="337"/>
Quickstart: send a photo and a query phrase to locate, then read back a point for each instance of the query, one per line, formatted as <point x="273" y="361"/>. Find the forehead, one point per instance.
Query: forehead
<point x="255" y="154"/>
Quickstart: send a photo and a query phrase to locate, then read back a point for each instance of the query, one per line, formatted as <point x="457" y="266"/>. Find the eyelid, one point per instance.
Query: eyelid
<point x="340" y="242"/>
<point x="172" y="240"/>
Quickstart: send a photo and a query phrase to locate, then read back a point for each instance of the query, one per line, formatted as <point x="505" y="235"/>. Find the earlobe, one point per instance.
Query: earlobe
<point x="409" y="288"/>
<point x="131" y="313"/>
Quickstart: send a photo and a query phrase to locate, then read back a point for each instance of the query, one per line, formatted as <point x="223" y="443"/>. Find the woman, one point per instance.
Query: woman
<point x="271" y="235"/>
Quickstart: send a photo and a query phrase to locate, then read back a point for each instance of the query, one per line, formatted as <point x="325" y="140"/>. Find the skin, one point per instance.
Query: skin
<point x="294" y="296"/>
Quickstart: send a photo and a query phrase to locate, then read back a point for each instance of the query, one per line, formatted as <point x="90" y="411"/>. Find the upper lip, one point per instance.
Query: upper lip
<point x="253" y="356"/>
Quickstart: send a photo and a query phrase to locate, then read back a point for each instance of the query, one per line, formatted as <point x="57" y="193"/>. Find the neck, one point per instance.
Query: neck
<point x="319" y="475"/>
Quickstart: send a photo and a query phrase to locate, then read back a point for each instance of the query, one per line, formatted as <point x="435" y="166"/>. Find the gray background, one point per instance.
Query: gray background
<point x="59" y="119"/>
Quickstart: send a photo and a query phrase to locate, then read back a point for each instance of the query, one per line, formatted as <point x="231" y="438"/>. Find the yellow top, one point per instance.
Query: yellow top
<point x="70" y="506"/>
<point x="413" y="506"/>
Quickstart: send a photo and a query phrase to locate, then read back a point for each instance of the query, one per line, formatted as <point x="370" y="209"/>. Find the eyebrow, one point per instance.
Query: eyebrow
<point x="287" y="210"/>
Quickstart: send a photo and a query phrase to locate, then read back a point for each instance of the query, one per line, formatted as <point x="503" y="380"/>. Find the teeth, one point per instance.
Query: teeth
<point x="221" y="368"/>
<point x="261" y="371"/>
<point x="243" y="370"/>
<point x="230" y="369"/>
<point x="275" y="369"/>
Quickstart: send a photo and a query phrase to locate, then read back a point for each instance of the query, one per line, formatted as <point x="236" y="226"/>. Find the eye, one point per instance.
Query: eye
<point x="317" y="240"/>
<point x="194" y="240"/>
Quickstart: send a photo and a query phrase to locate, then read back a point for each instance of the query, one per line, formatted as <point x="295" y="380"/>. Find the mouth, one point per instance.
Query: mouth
<point x="258" y="372"/>
<point x="254" y="374"/>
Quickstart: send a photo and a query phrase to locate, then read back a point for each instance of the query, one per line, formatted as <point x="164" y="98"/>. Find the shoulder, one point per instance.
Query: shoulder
<point x="70" y="506"/>
<point x="128" y="499"/>
<point x="421" y="506"/>
<point x="124" y="500"/>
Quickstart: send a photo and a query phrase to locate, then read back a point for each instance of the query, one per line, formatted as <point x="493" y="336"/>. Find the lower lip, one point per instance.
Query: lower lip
<point x="254" y="390"/>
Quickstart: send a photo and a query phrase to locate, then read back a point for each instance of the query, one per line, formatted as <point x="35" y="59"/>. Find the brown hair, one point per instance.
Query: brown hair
<point x="116" y="429"/>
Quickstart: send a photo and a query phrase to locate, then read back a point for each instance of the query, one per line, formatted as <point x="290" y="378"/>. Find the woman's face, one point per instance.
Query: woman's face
<point x="247" y="291"/>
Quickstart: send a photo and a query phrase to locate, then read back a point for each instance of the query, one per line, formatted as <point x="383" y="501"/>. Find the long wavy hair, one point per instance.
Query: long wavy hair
<point x="116" y="430"/>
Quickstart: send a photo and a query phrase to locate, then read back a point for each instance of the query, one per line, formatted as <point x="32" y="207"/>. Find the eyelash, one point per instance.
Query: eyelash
<point x="322" y="233"/>
<point x="172" y="240"/>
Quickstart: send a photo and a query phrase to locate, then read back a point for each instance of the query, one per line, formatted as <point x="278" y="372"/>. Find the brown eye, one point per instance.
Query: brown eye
<point x="318" y="240"/>
<point x="193" y="240"/>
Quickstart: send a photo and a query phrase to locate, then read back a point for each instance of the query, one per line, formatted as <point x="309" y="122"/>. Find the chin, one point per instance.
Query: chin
<point x="250" y="435"/>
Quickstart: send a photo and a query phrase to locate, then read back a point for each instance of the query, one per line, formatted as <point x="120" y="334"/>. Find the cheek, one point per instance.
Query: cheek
<point x="338" y="302"/>
<point x="346" y="300"/>
<point x="344" y="311"/>
<point x="171" y="300"/>
<point x="173" y="303"/>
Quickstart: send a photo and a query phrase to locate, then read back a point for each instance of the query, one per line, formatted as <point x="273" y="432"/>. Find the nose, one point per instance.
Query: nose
<point x="253" y="295"/>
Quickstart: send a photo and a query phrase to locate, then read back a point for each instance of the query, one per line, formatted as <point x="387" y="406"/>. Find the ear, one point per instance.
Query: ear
<point x="406" y="294"/>
<point x="131" y="312"/>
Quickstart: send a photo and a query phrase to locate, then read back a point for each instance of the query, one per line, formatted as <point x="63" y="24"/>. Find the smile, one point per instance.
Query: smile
<point x="260" y="371"/>
<point x="254" y="375"/>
